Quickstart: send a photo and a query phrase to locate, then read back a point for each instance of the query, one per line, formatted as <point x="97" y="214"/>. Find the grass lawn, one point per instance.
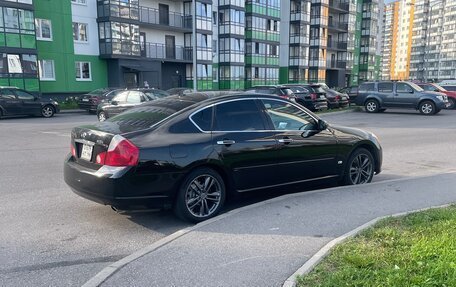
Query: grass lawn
<point x="415" y="250"/>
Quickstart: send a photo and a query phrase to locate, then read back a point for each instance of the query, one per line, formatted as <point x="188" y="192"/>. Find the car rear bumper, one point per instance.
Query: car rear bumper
<point x="118" y="186"/>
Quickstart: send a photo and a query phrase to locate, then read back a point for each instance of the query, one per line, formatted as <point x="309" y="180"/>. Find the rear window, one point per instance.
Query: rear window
<point x="142" y="117"/>
<point x="318" y="89"/>
<point x="368" y="87"/>
<point x="385" y="87"/>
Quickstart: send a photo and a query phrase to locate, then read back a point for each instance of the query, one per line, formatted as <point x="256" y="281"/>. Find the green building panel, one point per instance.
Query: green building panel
<point x="255" y="60"/>
<point x="283" y="75"/>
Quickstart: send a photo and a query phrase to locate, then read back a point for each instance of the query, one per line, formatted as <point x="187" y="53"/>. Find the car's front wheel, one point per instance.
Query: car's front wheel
<point x="47" y="111"/>
<point x="372" y="106"/>
<point x="452" y="103"/>
<point x="360" y="168"/>
<point x="102" y="116"/>
<point x="427" y="108"/>
<point x="201" y="195"/>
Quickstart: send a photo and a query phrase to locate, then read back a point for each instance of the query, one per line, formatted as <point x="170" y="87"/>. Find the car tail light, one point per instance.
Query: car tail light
<point x="338" y="98"/>
<point x="313" y="97"/>
<point x="121" y="152"/>
<point x="73" y="150"/>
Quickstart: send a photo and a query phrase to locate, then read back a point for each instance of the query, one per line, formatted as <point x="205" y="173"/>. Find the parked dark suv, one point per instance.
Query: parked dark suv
<point x="312" y="97"/>
<point x="14" y="101"/>
<point x="90" y="101"/>
<point x="378" y="96"/>
<point x="277" y="90"/>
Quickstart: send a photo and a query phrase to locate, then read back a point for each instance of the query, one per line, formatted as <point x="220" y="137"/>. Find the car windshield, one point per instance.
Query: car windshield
<point x="440" y="88"/>
<point x="297" y="90"/>
<point x="318" y="89"/>
<point x="113" y="94"/>
<point x="288" y="91"/>
<point x="415" y="86"/>
<point x="450" y="88"/>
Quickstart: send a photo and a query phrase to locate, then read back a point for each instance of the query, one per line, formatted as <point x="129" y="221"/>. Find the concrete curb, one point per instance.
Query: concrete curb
<point x="108" y="271"/>
<point x="73" y="111"/>
<point x="323" y="252"/>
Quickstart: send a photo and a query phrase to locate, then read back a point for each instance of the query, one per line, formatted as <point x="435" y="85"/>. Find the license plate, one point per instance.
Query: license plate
<point x="322" y="97"/>
<point x="86" y="153"/>
<point x="85" y="100"/>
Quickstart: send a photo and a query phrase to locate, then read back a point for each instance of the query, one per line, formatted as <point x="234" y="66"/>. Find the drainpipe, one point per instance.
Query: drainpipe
<point x="194" y="43"/>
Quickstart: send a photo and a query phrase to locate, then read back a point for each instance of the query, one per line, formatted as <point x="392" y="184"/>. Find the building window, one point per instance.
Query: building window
<point x="80" y="2"/>
<point x="47" y="72"/>
<point x="14" y="64"/>
<point x="83" y="72"/>
<point x="80" y="32"/>
<point x="43" y="29"/>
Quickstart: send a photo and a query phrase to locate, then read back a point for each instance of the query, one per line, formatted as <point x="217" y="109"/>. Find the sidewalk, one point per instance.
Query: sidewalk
<point x="264" y="244"/>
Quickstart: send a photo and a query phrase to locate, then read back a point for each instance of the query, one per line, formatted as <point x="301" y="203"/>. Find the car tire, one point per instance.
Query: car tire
<point x="372" y="106"/>
<point x="452" y="105"/>
<point x="47" y="111"/>
<point x="360" y="168"/>
<point x="201" y="195"/>
<point x="427" y="108"/>
<point x="102" y="116"/>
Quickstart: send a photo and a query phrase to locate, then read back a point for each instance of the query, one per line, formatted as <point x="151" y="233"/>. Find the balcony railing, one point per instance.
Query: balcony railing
<point x="339" y="5"/>
<point x="171" y="19"/>
<point x="332" y="44"/>
<point x="335" y="64"/>
<point x="299" y="15"/>
<point x="337" y="25"/>
<point x="164" y="52"/>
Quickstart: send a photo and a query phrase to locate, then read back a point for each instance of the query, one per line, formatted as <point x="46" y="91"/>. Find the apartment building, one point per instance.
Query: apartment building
<point x="332" y="41"/>
<point x="433" y="54"/>
<point x="397" y="35"/>
<point x="18" y="51"/>
<point x="67" y="44"/>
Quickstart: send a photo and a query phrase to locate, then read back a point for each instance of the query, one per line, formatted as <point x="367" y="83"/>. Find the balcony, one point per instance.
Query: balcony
<point x="332" y="24"/>
<point x="335" y="64"/>
<point x="299" y="39"/>
<point x="171" y="19"/>
<point x="300" y="16"/>
<point x="298" y="61"/>
<point x="336" y="45"/>
<point x="335" y="4"/>
<point x="167" y="53"/>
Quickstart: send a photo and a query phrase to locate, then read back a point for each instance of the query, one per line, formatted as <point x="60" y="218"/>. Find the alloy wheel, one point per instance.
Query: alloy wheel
<point x="427" y="108"/>
<point x="361" y="169"/>
<point x="203" y="196"/>
<point x="101" y="117"/>
<point x="47" y="111"/>
<point x="371" y="106"/>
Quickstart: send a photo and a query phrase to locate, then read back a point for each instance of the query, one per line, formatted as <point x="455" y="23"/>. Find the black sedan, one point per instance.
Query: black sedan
<point x="189" y="153"/>
<point x="14" y="101"/>
<point x="127" y="99"/>
<point x="335" y="99"/>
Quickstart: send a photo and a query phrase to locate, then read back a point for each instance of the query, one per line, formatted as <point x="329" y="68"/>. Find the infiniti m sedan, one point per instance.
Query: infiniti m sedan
<point x="189" y="153"/>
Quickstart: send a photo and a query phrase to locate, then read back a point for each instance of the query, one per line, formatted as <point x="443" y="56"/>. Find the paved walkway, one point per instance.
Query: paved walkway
<point x="265" y="244"/>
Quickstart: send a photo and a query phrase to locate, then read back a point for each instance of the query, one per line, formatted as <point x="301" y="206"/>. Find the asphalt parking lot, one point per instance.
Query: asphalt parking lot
<point x="52" y="237"/>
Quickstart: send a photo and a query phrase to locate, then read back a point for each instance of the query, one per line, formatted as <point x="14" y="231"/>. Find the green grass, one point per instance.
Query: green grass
<point x="353" y="108"/>
<point x="414" y="250"/>
<point x="68" y="105"/>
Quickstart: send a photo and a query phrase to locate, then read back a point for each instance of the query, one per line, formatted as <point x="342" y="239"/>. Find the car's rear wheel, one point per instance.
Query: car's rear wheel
<point x="360" y="168"/>
<point x="452" y="103"/>
<point x="201" y="195"/>
<point x="372" y="106"/>
<point x="47" y="111"/>
<point x="102" y="116"/>
<point x="427" y="108"/>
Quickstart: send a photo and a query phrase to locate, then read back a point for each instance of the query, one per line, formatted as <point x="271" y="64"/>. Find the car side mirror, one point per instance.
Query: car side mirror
<point x="115" y="103"/>
<point x="322" y="125"/>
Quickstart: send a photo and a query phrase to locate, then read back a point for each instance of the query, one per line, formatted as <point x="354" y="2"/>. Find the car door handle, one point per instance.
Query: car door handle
<point x="226" y="142"/>
<point x="285" y="140"/>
